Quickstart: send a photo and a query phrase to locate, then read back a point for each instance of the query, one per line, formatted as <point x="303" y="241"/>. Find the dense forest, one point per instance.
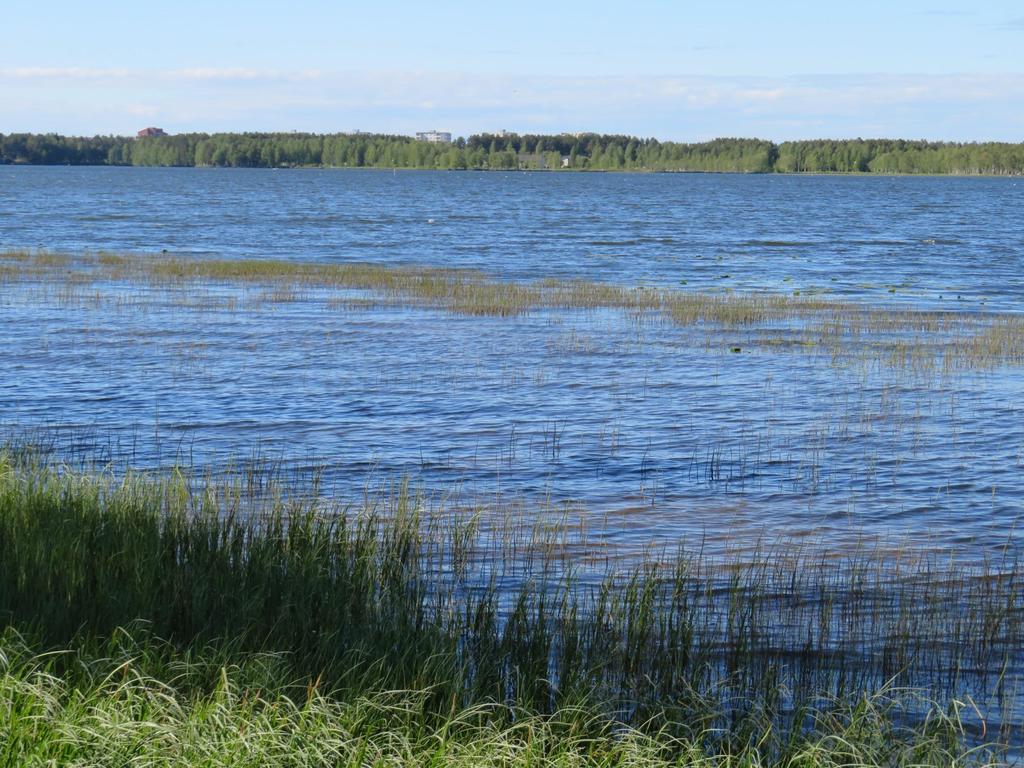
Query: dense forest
<point x="588" y="151"/>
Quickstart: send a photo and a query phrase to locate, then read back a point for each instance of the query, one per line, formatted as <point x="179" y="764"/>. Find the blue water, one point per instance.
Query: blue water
<point x="657" y="431"/>
<point x="858" y="236"/>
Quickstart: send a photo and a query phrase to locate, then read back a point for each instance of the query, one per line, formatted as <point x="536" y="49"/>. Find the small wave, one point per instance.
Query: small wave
<point x="107" y="217"/>
<point x="778" y="243"/>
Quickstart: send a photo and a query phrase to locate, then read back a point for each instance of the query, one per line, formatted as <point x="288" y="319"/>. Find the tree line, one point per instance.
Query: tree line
<point x="486" y="151"/>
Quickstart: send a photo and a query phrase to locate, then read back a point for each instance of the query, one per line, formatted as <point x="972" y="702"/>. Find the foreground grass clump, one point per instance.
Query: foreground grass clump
<point x="132" y="700"/>
<point x="497" y="626"/>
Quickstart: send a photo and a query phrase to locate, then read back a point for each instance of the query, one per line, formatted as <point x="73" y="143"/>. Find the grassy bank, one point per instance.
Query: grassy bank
<point x="199" y="620"/>
<point x="113" y="710"/>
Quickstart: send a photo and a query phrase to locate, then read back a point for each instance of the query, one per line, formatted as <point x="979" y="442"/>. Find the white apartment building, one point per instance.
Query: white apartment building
<point x="435" y="137"/>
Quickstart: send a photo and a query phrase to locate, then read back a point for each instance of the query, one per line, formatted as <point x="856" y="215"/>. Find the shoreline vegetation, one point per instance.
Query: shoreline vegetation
<point x="178" y="620"/>
<point x="227" y="615"/>
<point x="562" y="152"/>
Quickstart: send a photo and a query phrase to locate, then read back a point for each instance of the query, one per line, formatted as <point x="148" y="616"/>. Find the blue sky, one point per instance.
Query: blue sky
<point x="676" y="70"/>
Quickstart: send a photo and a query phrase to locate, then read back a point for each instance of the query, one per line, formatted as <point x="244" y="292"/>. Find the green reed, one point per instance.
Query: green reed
<point x="463" y="291"/>
<point x="473" y="610"/>
<point x="922" y="341"/>
<point x="130" y="700"/>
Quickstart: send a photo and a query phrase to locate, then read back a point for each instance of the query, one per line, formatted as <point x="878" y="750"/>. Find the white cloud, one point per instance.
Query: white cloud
<point x="227" y="74"/>
<point x="63" y="73"/>
<point x="213" y="73"/>
<point x="240" y="73"/>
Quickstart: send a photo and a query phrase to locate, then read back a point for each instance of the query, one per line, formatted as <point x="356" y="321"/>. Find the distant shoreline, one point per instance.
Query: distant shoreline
<point x="513" y="152"/>
<point x="536" y="171"/>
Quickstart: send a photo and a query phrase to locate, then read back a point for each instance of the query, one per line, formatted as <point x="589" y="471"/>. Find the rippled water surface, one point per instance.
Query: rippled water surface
<point x="657" y="429"/>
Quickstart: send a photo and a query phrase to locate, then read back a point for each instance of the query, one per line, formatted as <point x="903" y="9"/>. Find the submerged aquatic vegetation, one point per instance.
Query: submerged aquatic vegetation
<point x="747" y="653"/>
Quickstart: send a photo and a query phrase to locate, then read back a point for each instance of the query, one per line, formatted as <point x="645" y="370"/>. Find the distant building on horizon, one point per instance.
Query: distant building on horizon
<point x="151" y="132"/>
<point x="435" y="137"/>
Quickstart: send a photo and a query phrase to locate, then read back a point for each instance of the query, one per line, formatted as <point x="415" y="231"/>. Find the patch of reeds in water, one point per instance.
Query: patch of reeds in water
<point x="399" y="595"/>
<point x="458" y="290"/>
<point x="920" y="340"/>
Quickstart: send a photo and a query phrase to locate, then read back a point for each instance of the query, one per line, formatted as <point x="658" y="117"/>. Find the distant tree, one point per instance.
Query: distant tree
<point x="609" y="152"/>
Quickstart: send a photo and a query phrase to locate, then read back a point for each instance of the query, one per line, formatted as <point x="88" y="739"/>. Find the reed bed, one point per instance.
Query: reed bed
<point x="763" y="656"/>
<point x="924" y="341"/>
<point x="462" y="291"/>
<point x="473" y="293"/>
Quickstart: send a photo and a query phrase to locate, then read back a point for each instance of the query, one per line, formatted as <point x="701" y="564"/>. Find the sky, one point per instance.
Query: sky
<point x="681" y="70"/>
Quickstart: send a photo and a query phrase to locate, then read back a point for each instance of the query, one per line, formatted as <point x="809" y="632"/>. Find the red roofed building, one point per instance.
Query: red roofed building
<point x="151" y="132"/>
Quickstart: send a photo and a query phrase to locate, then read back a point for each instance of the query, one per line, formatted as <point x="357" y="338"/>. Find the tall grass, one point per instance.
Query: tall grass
<point x="128" y="701"/>
<point x="399" y="595"/>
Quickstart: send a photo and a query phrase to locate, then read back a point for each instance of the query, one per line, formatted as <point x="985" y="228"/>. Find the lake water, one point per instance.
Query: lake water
<point x="657" y="431"/>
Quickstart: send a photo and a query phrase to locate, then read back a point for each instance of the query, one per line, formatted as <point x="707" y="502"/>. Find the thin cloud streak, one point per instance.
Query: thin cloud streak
<point x="117" y="74"/>
<point x="65" y="73"/>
